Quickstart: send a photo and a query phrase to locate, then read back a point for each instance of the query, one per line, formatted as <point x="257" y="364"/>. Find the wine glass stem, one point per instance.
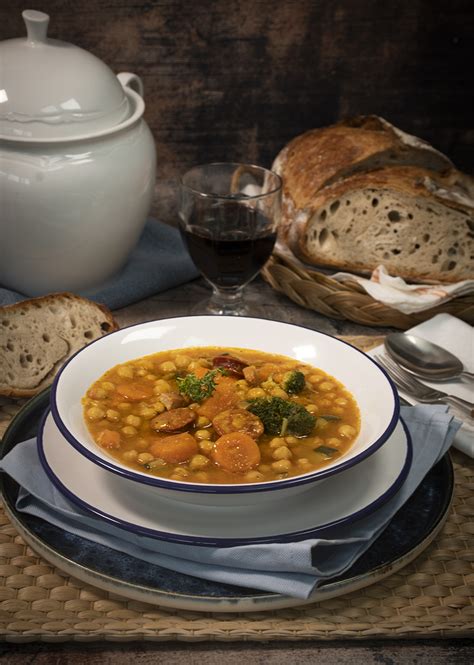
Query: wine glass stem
<point x="226" y="302"/>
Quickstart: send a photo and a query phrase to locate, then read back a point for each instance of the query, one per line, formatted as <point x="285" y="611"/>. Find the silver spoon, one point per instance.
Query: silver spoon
<point x="424" y="358"/>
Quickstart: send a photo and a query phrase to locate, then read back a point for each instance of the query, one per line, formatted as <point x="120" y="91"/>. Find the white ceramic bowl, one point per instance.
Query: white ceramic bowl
<point x="374" y="392"/>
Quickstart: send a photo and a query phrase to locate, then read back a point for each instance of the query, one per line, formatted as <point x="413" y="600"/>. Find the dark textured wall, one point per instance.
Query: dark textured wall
<point x="237" y="79"/>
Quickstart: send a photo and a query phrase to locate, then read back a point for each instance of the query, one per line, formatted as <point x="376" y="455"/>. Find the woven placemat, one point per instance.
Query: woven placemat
<point x="317" y="291"/>
<point x="432" y="597"/>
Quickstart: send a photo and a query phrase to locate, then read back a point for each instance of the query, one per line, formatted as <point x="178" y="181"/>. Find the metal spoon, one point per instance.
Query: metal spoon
<point x="424" y="358"/>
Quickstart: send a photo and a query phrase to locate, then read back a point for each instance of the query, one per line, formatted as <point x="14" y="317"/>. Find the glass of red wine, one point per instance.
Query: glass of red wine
<point x="229" y="215"/>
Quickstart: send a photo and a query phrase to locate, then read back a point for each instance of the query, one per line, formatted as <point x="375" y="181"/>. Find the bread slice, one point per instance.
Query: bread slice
<point x="37" y="336"/>
<point x="419" y="226"/>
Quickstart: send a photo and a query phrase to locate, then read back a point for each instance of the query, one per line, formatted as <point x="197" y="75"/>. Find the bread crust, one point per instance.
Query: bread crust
<point x="63" y="301"/>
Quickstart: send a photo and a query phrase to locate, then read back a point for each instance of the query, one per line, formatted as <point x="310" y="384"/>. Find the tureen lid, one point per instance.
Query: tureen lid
<point x="53" y="89"/>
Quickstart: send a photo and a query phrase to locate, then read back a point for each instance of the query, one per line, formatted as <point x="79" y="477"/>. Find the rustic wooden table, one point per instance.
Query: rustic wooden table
<point x="177" y="302"/>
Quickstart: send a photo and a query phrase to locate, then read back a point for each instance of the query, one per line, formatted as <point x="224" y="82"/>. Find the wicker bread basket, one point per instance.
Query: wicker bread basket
<point x="314" y="290"/>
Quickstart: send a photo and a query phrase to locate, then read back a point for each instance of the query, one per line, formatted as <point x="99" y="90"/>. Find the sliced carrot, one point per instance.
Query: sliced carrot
<point x="200" y="371"/>
<point x="134" y="392"/>
<point x="175" y="449"/>
<point x="109" y="438"/>
<point x="223" y="398"/>
<point x="236" y="452"/>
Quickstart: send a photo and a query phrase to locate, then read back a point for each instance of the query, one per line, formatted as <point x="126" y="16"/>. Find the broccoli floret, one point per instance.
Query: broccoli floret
<point x="197" y="389"/>
<point x="293" y="382"/>
<point x="280" y="416"/>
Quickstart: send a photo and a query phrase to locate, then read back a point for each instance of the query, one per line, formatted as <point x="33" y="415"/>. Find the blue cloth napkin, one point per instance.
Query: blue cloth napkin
<point x="159" y="261"/>
<point x="293" y="569"/>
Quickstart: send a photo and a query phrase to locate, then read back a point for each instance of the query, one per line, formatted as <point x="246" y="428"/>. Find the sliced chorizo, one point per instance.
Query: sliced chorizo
<point x="232" y="365"/>
<point x="175" y="420"/>
<point x="172" y="400"/>
<point x="238" y="420"/>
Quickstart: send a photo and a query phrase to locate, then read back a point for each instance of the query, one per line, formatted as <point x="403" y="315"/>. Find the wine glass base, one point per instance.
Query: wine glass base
<point x="210" y="308"/>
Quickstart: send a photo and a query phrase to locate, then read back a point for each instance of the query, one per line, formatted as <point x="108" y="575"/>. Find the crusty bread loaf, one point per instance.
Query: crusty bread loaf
<point x="37" y="336"/>
<point x="418" y="226"/>
<point x="360" y="160"/>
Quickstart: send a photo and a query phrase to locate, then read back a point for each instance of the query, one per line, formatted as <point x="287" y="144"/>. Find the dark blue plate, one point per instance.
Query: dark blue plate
<point x="126" y="575"/>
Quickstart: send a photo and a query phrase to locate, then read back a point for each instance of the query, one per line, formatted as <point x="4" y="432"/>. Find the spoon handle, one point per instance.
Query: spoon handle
<point x="467" y="375"/>
<point x="462" y="404"/>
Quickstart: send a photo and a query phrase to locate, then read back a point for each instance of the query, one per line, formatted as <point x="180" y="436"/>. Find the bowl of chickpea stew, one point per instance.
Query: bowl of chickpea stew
<point x="192" y="405"/>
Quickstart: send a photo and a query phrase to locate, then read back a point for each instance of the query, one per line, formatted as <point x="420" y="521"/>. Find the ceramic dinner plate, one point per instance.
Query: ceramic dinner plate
<point x="142" y="509"/>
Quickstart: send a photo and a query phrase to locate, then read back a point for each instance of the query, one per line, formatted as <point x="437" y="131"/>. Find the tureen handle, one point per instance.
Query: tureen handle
<point x="131" y="81"/>
<point x="36" y="25"/>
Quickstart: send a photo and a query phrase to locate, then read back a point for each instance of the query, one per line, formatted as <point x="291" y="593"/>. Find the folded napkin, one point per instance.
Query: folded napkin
<point x="293" y="569"/>
<point x="390" y="290"/>
<point x="407" y="298"/>
<point x="158" y="262"/>
<point x="458" y="337"/>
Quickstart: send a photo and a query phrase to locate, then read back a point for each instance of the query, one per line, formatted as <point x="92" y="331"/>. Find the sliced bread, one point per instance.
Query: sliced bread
<point x="418" y="225"/>
<point x="37" y="336"/>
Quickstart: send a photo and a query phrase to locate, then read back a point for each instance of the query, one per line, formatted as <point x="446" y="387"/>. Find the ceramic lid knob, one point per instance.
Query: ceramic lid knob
<point x="36" y="25"/>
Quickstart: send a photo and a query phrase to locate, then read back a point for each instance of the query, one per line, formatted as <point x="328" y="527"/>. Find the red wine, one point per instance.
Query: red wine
<point x="230" y="258"/>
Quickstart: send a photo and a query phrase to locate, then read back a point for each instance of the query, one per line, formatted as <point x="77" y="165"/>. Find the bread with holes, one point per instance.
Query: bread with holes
<point x="416" y="223"/>
<point x="37" y="337"/>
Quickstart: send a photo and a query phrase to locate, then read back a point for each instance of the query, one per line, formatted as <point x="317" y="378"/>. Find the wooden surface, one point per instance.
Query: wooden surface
<point x="236" y="79"/>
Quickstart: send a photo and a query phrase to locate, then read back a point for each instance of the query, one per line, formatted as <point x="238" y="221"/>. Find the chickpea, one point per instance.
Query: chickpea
<point x="315" y="378"/>
<point x="198" y="462"/>
<point x="128" y="430"/>
<point x="168" y="366"/>
<point x="144" y="458"/>
<point x="241" y="384"/>
<point x="146" y="412"/>
<point x="161" y="386"/>
<point x="157" y="463"/>
<point x="108" y="385"/>
<point x="141" y="444"/>
<point x="147" y="364"/>
<point x="311" y="408"/>
<point x="181" y="361"/>
<point x="124" y="406"/>
<point x="346" y="430"/>
<point x="150" y="377"/>
<point x="333" y="441"/>
<point x="206" y="446"/>
<point x="337" y="410"/>
<point x="278" y="392"/>
<point x="159" y="407"/>
<point x="201" y="477"/>
<point x="291" y="440"/>
<point x="202" y="421"/>
<point x="95" y="413"/>
<point x="181" y="472"/>
<point x="255" y="393"/>
<point x="325" y="402"/>
<point x="277" y="442"/>
<point x="303" y="461"/>
<point x="341" y="401"/>
<point x="201" y="434"/>
<point x="130" y="456"/>
<point x="264" y="468"/>
<point x="125" y="372"/>
<point x="254" y="476"/>
<point x="281" y="465"/>
<point x="133" y="420"/>
<point x="326" y="386"/>
<point x="98" y="393"/>
<point x="112" y="415"/>
<point x="141" y="371"/>
<point x="282" y="453"/>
